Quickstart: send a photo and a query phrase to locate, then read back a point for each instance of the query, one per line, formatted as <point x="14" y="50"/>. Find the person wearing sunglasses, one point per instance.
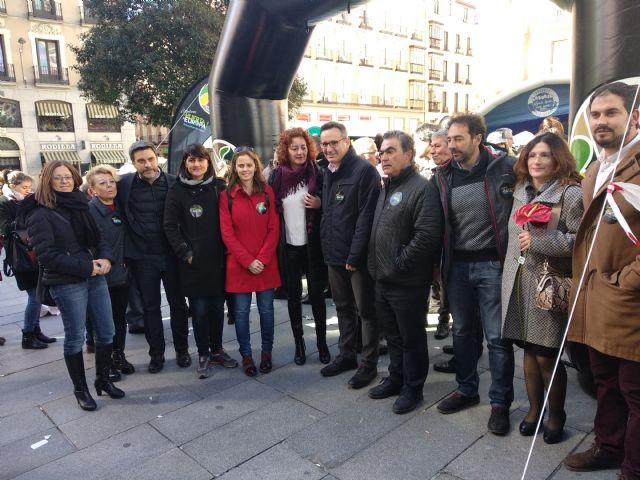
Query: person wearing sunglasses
<point x="297" y="185"/>
<point x="250" y="230"/>
<point x="349" y="194"/>
<point x="74" y="258"/>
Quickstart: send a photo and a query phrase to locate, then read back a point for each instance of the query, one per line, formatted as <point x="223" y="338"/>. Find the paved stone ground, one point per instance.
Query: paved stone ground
<point x="289" y="424"/>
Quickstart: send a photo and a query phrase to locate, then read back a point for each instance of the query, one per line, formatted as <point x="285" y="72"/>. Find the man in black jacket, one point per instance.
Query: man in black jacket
<point x="142" y="197"/>
<point x="405" y="243"/>
<point x="476" y="192"/>
<point x="349" y="196"/>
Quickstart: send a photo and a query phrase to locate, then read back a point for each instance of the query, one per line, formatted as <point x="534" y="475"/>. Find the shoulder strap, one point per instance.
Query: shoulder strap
<point x="229" y="201"/>
<point x="555" y="211"/>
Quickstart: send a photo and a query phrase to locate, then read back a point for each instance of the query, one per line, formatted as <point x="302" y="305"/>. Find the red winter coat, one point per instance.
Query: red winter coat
<point x="249" y="235"/>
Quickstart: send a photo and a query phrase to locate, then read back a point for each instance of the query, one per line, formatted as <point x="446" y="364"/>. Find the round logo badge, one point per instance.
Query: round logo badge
<point x="196" y="211"/>
<point x="261" y="208"/>
<point x="339" y="196"/>
<point x="608" y="215"/>
<point x="395" y="199"/>
<point x="203" y="98"/>
<point x="543" y="102"/>
<point x="116" y="220"/>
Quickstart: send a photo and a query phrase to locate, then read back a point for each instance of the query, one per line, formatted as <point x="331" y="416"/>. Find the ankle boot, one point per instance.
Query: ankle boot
<point x="42" y="337"/>
<point x="323" y="350"/>
<point x="75" y="367"/>
<point x="30" y="341"/>
<point x="300" y="356"/>
<point x="103" y="365"/>
<point x="265" y="362"/>
<point x="121" y="363"/>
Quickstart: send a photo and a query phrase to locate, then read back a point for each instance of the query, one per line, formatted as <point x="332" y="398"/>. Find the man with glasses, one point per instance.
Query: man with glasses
<point x="349" y="197"/>
<point x="141" y="196"/>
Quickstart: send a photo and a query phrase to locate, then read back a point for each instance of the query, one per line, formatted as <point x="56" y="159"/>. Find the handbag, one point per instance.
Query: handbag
<point x="553" y="287"/>
<point x="43" y="295"/>
<point x="552" y="290"/>
<point x="20" y="257"/>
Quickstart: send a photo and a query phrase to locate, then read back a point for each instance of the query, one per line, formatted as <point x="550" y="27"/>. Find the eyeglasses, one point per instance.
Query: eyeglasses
<point x="332" y="144"/>
<point x="61" y="178"/>
<point x="244" y="148"/>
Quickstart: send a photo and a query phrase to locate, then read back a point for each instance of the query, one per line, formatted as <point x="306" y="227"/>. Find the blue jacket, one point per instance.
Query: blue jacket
<point x="112" y="227"/>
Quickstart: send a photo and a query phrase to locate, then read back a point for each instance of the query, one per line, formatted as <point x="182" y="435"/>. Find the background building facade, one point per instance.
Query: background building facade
<point x="42" y="113"/>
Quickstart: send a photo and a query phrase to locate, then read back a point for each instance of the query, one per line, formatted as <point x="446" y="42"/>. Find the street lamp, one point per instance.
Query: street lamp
<point x="22" y="41"/>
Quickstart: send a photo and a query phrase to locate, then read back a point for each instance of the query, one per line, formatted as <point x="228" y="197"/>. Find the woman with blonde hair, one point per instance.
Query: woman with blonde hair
<point x="74" y="258"/>
<point x="250" y="231"/>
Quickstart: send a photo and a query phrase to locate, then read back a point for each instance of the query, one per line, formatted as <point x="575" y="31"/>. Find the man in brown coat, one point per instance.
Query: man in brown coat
<point x="607" y="314"/>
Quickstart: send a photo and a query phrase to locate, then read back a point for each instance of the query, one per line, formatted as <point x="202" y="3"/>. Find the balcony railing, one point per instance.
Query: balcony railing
<point x="434" y="106"/>
<point x="365" y="23"/>
<point x="324" y="54"/>
<point x="416" y="104"/>
<point x="416" y="68"/>
<point x="470" y="52"/>
<point x="7" y="73"/>
<point x="86" y="17"/>
<point x="387" y="65"/>
<point x="328" y="97"/>
<point x="435" y="74"/>
<point x="51" y="75"/>
<point x="402" y="67"/>
<point x="366" y="62"/>
<point x="419" y="36"/>
<point x="344" y="58"/>
<point x="435" y="42"/>
<point x="459" y="51"/>
<point x="3" y="6"/>
<point x="49" y="9"/>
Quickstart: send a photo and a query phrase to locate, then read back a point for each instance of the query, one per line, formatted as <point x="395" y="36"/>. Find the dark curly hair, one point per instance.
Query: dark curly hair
<point x="286" y="137"/>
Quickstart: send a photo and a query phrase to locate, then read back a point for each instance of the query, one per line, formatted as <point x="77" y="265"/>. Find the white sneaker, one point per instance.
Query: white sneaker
<point x="44" y="310"/>
<point x="54" y="311"/>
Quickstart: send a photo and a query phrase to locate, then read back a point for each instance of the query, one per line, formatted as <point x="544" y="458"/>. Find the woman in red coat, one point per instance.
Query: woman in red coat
<point x="250" y="230"/>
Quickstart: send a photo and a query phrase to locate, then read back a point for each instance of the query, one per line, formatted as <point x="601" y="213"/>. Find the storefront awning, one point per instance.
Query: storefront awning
<point x="53" y="109"/>
<point x="108" y="156"/>
<point x="70" y="156"/>
<point x="95" y="110"/>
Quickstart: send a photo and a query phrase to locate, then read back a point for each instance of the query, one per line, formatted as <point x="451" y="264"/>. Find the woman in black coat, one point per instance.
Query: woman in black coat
<point x="192" y="226"/>
<point x="74" y="259"/>
<point x="17" y="186"/>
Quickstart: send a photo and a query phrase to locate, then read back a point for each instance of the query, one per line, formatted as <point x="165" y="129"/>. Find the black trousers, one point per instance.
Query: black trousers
<point x="353" y="294"/>
<point x="119" y="299"/>
<point x="149" y="272"/>
<point x="298" y="263"/>
<point x="401" y="312"/>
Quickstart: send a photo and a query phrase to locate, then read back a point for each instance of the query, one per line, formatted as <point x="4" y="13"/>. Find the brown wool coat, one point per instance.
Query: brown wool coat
<point x="607" y="314"/>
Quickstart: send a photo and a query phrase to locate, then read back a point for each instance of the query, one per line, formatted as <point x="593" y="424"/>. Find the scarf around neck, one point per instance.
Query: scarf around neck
<point x="287" y="181"/>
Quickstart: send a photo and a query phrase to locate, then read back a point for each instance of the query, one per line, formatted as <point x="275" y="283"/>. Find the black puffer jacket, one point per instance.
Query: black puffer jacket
<point x="407" y="231"/>
<point x="112" y="226"/>
<point x="499" y="184"/>
<point x="349" y="198"/>
<point x="63" y="258"/>
<point x="8" y="223"/>
<point x="192" y="226"/>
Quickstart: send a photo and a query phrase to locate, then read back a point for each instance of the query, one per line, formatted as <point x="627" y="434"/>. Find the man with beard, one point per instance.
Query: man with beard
<point x="606" y="316"/>
<point x="476" y="192"/>
<point x="142" y="196"/>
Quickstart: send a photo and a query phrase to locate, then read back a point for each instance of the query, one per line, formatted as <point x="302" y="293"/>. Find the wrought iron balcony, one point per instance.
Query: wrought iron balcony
<point x="7" y="73"/>
<point x="49" y="9"/>
<point x="416" y="104"/>
<point x="435" y="74"/>
<point x="51" y="75"/>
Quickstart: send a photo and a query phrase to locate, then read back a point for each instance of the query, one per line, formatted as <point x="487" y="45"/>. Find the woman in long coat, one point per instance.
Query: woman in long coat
<point x="546" y="173"/>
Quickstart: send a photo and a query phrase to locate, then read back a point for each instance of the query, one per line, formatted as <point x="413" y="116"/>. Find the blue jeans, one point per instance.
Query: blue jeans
<point x="474" y="286"/>
<point x="31" y="311"/>
<point x="207" y="316"/>
<point x="76" y="301"/>
<point x="242" y="305"/>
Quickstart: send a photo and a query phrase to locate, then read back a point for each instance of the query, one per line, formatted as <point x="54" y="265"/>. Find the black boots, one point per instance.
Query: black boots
<point x="42" y="337"/>
<point x="323" y="350"/>
<point x="75" y="366"/>
<point x="103" y="366"/>
<point x="31" y="342"/>
<point x="300" y="356"/>
<point x="121" y="364"/>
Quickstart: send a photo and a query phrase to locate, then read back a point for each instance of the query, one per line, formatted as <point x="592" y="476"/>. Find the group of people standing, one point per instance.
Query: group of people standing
<point x="376" y="244"/>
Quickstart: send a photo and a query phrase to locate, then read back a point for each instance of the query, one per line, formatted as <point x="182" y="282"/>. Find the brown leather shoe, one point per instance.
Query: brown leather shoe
<point x="592" y="459"/>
